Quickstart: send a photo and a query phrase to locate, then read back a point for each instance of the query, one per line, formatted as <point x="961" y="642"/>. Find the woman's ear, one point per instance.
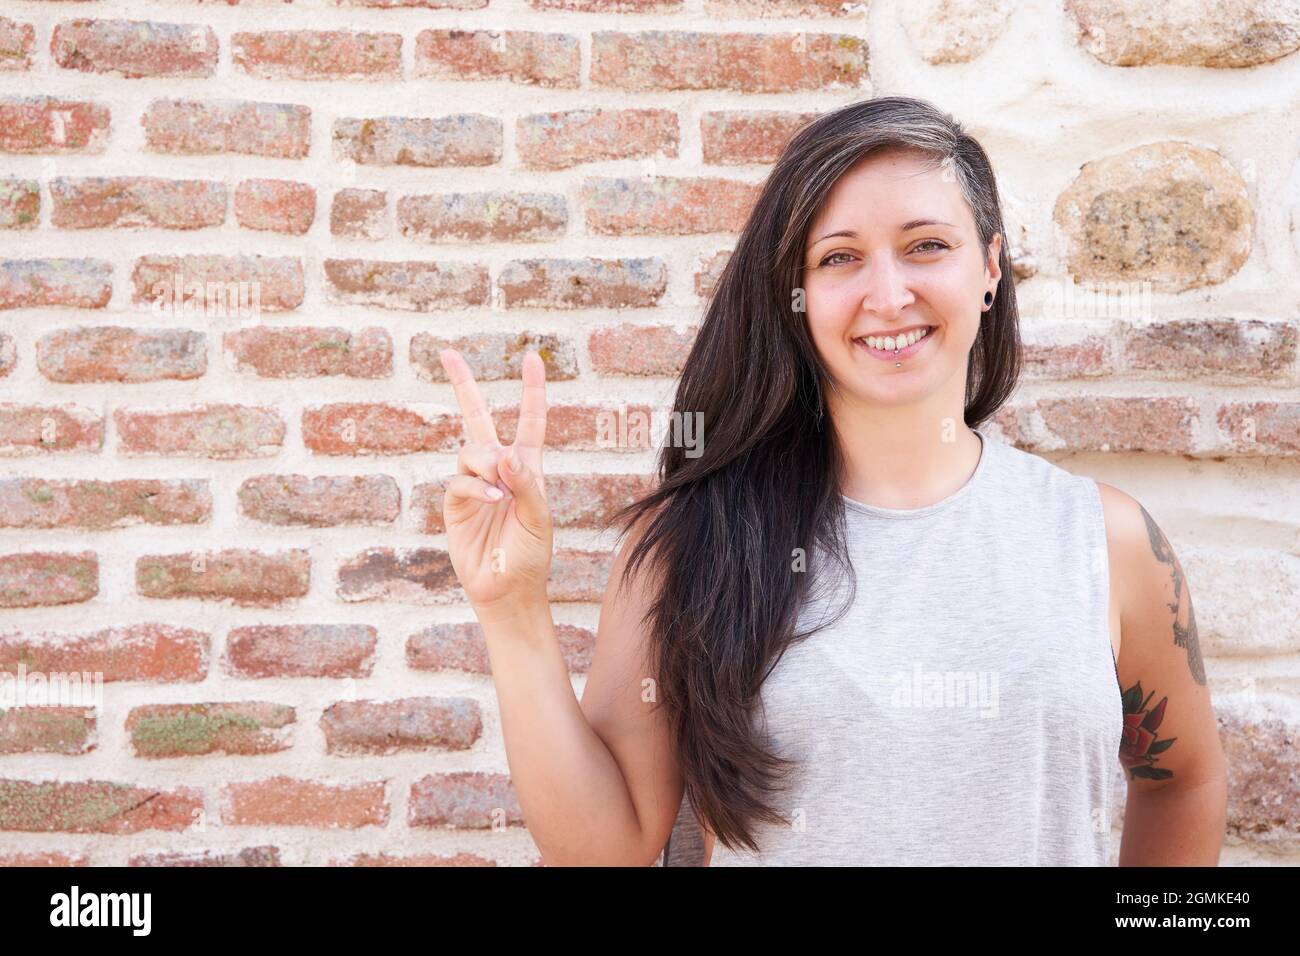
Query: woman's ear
<point x="991" y="265"/>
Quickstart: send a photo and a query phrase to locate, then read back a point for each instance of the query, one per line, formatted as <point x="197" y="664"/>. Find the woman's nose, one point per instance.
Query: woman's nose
<point x="885" y="287"/>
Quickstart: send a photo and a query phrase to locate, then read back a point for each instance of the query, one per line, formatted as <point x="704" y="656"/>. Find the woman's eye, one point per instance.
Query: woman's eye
<point x="931" y="242"/>
<point x="936" y="245"/>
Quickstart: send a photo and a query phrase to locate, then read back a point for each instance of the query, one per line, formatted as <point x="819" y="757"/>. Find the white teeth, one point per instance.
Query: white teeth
<point x="891" y="342"/>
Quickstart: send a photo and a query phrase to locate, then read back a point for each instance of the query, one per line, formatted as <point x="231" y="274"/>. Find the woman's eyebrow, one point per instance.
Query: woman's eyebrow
<point x="906" y="227"/>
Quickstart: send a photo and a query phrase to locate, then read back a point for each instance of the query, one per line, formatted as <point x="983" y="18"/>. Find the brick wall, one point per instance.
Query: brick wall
<point x="233" y="236"/>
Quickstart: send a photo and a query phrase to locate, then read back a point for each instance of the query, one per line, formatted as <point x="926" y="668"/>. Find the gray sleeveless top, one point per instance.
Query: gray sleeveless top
<point x="966" y="709"/>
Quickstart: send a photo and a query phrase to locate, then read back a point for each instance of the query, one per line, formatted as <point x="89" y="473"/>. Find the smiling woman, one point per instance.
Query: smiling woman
<point x="889" y="302"/>
<point x="853" y="531"/>
<point x="850" y="626"/>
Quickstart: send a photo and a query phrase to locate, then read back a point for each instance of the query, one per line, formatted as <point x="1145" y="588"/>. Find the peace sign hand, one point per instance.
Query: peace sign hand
<point x="499" y="532"/>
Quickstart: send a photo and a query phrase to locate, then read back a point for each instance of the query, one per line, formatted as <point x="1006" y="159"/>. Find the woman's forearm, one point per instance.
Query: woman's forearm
<point x="573" y="795"/>
<point x="1174" y="826"/>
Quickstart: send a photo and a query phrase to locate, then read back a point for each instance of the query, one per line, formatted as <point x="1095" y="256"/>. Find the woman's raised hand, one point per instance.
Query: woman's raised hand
<point x="499" y="532"/>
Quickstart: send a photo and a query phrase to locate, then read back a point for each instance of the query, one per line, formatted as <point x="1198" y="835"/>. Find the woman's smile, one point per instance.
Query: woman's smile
<point x="897" y="353"/>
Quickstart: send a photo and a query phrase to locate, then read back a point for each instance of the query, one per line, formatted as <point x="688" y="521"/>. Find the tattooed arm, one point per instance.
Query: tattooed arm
<point x="1170" y="751"/>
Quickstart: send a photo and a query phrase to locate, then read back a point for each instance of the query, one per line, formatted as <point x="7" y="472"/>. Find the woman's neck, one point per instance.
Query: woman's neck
<point x="905" y="460"/>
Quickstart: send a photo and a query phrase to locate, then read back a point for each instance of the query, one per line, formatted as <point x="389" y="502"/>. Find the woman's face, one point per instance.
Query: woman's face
<point x="907" y="257"/>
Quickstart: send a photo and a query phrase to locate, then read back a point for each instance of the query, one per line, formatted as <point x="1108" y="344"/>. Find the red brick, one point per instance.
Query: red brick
<point x="47" y="124"/>
<point x="1157" y="424"/>
<point x="118" y="354"/>
<point x="20" y="203"/>
<point x="372" y="428"/>
<point x="360" y="428"/>
<point x="135" y="48"/>
<point x="98" y="505"/>
<point x="710" y="272"/>
<point x="409" y="576"/>
<point x="578" y="575"/>
<point x="186" y="730"/>
<point x="565" y="139"/>
<point x="95" y="806"/>
<point x="46" y="579"/>
<point x="609" y="6"/>
<point x="613" y="427"/>
<point x="249" y="856"/>
<point x="155" y="653"/>
<point x="408" y="286"/>
<point x="739" y="137"/>
<point x="424" y="576"/>
<point x="550" y="60"/>
<point x="460" y="647"/>
<point x="779" y="8"/>
<point x="590" y="500"/>
<point x="743" y="62"/>
<point x="277" y="281"/>
<point x="43" y="859"/>
<point x="318" y="54"/>
<point x="1065" y="350"/>
<point x="425" y="4"/>
<point x="325" y="501"/>
<point x="1260" y="756"/>
<point x="32" y="429"/>
<point x="122" y="201"/>
<point x="73" y="283"/>
<point x="468" y="800"/>
<point x="667" y="206"/>
<point x="1261" y="428"/>
<point x="310" y="352"/>
<point x="208" y="431"/>
<point x="658" y="350"/>
<point x="495" y="356"/>
<point x="459" y="140"/>
<point x="583" y="283"/>
<point x="370" y="727"/>
<point x="228" y="126"/>
<point x="275" y="205"/>
<point x="282" y="801"/>
<point x="246" y="577"/>
<point x="483" y="217"/>
<point x="301" y="650"/>
<point x="46" y="729"/>
<point x="413" y="859"/>
<point x="17" y="40"/>
<point x="359" y="214"/>
<point x="1211" y="348"/>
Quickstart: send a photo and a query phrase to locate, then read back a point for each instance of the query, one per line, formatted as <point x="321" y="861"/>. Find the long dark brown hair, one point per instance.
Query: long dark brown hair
<point x="723" y="525"/>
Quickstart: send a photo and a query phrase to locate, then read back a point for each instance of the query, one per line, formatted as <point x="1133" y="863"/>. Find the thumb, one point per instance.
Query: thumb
<point x="529" y="503"/>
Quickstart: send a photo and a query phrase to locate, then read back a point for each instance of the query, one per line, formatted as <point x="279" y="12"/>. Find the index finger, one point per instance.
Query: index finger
<point x="530" y="433"/>
<point x="478" y="423"/>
